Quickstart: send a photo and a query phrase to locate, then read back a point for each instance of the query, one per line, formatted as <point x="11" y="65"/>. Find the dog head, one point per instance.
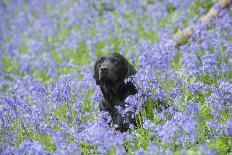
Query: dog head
<point x="111" y="70"/>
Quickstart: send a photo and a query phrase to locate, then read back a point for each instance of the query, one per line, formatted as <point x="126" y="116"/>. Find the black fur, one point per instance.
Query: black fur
<point x="110" y="71"/>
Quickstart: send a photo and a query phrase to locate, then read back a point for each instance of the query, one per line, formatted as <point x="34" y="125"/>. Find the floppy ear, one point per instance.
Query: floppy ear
<point x="130" y="85"/>
<point x="96" y="72"/>
<point x="127" y="71"/>
<point x="131" y="70"/>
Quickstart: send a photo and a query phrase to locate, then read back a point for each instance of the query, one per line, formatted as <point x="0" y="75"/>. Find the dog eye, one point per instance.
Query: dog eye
<point x="115" y="61"/>
<point x="101" y="60"/>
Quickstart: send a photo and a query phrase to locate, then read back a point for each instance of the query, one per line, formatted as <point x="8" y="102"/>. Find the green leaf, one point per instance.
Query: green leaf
<point x="46" y="139"/>
<point x="221" y="144"/>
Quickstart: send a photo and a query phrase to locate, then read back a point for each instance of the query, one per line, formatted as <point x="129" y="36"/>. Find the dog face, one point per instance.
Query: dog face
<point x="111" y="70"/>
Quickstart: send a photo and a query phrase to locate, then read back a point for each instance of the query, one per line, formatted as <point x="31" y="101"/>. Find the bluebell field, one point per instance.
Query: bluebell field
<point x="49" y="99"/>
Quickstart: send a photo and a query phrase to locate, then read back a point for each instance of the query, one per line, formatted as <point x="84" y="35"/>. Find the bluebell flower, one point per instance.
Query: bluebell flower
<point x="147" y="124"/>
<point x="29" y="146"/>
<point x="97" y="96"/>
<point x="191" y="64"/>
<point x="102" y="136"/>
<point x="226" y="90"/>
<point x="196" y="87"/>
<point x="191" y="108"/>
<point x="215" y="101"/>
<point x="225" y="68"/>
<point x="61" y="92"/>
<point x="168" y="131"/>
<point x="204" y="148"/>
<point x="209" y="64"/>
<point x="140" y="152"/>
<point x="229" y="127"/>
<point x="217" y="128"/>
<point x="152" y="148"/>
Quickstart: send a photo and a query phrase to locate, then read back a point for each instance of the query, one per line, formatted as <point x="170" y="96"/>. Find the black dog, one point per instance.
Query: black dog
<point x="110" y="71"/>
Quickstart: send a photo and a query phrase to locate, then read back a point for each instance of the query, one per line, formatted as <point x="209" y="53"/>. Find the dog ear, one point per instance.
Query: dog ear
<point x="130" y="70"/>
<point x="96" y="72"/>
<point x="127" y="69"/>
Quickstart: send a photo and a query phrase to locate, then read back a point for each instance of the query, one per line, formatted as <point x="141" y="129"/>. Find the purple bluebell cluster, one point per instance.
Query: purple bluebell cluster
<point x="49" y="99"/>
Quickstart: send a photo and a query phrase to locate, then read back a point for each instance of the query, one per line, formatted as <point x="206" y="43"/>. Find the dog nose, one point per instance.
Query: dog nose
<point x="103" y="69"/>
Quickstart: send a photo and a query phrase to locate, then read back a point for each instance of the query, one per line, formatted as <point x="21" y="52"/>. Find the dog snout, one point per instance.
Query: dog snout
<point x="104" y="68"/>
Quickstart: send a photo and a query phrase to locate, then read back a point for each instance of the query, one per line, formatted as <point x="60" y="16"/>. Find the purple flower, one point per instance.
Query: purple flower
<point x="30" y="146"/>
<point x="226" y="90"/>
<point x="209" y="64"/>
<point x="147" y="124"/>
<point x="168" y="131"/>
<point x="229" y="127"/>
<point x="157" y="56"/>
<point x="152" y="148"/>
<point x="215" y="101"/>
<point x="140" y="152"/>
<point x="190" y="64"/>
<point x="61" y="92"/>
<point x="97" y="96"/>
<point x="191" y="108"/>
<point x="196" y="87"/>
<point x="101" y="135"/>
<point x="204" y="148"/>
<point x="225" y="68"/>
<point x="133" y="103"/>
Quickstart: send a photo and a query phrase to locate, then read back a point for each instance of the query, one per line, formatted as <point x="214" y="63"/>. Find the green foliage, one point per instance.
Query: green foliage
<point x="149" y="106"/>
<point x="142" y="138"/>
<point x="100" y="48"/>
<point x="150" y="35"/>
<point x="42" y="76"/>
<point x="22" y="133"/>
<point x="205" y="112"/>
<point x="6" y="2"/>
<point x="222" y="144"/>
<point x="46" y="139"/>
<point x="10" y="66"/>
<point x="198" y="5"/>
<point x="87" y="149"/>
<point x="61" y="112"/>
<point x="177" y="62"/>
